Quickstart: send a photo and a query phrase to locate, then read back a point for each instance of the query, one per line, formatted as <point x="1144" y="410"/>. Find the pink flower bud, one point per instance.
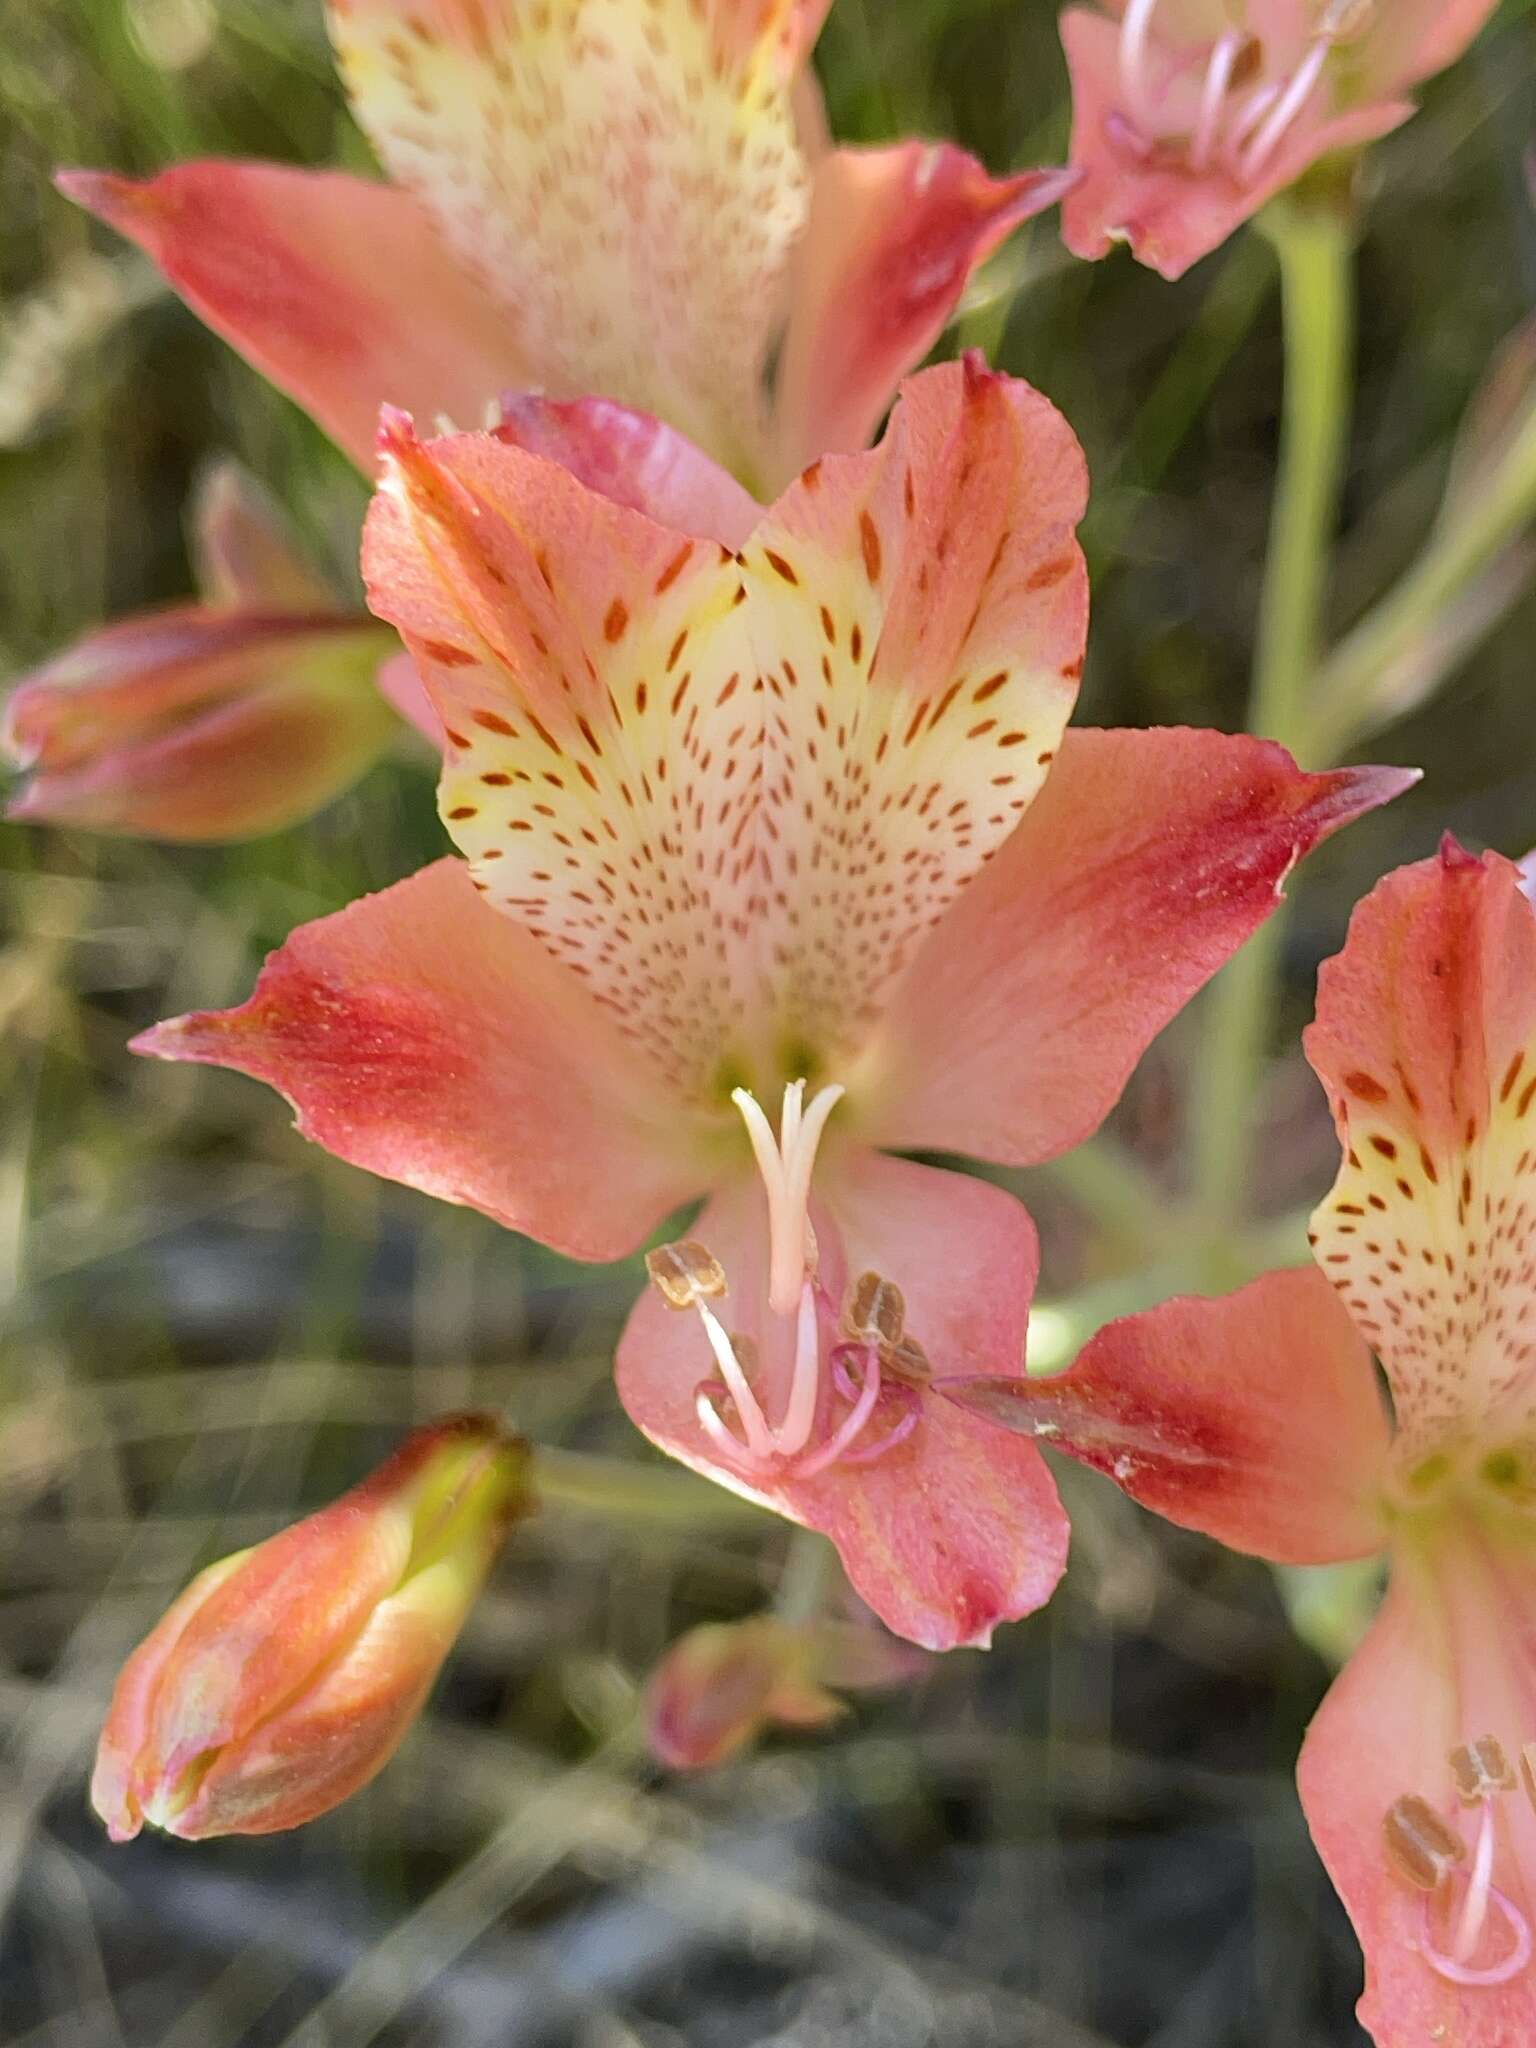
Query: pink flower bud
<point x="287" y="1675"/>
<point x="214" y="720"/>
<point x="199" y="725"/>
<point x="722" y="1685"/>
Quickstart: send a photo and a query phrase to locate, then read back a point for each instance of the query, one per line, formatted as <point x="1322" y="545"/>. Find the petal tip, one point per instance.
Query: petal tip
<point x="1454" y="857"/>
<point x="107" y="194"/>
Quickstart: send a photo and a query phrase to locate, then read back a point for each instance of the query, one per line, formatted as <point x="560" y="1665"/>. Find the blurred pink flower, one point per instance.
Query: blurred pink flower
<point x="605" y="198"/>
<point x="1188" y="115"/>
<point x="1258" y="1419"/>
<point x="286" y="1676"/>
<point x="601" y="198"/>
<point x="208" y="721"/>
<point x="723" y="1685"/>
<point x="769" y="870"/>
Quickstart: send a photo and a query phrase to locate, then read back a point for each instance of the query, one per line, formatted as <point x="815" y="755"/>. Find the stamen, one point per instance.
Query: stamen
<point x="1285" y="110"/>
<point x="1528" y="1772"/>
<point x="1501" y="1972"/>
<point x="1213" y="96"/>
<point x="1474" y="1907"/>
<point x="899" y="1431"/>
<point x="1420" y="1845"/>
<point x="1479" y="1769"/>
<point x="754" y="1424"/>
<point x="876" y="1312"/>
<point x="1248" y="117"/>
<point x="1135" y="79"/>
<point x="909" y="1362"/>
<point x="685" y="1273"/>
<point x="852" y="1424"/>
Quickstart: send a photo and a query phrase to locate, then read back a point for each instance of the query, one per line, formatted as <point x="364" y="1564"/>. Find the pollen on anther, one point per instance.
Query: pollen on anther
<point x="876" y="1311"/>
<point x="1420" y="1846"/>
<point x="685" y="1273"/>
<point x="1480" y="1769"/>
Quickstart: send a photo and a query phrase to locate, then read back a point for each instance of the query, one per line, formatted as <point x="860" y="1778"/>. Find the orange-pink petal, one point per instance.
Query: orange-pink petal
<point x="339" y="290"/>
<point x="421" y="1036"/>
<point x="635" y="459"/>
<point x="1254" y="1418"/>
<point x="655" y="743"/>
<point x="1145" y="861"/>
<point x="1447" y="1662"/>
<point x="1426" y="1042"/>
<point x="892" y="238"/>
<point x="625" y="182"/>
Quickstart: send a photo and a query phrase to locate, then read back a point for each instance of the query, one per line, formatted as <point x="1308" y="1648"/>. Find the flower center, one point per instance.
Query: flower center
<point x="1215" y="101"/>
<point x="871" y="1369"/>
<point x="1461" y="1940"/>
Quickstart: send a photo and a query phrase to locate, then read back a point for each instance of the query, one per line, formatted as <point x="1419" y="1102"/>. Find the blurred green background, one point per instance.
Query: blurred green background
<point x="1089" y="1836"/>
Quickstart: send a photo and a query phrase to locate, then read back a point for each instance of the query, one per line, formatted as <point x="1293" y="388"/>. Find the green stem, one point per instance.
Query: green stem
<point x="663" y="1496"/>
<point x="1346" y="696"/>
<point x="1313" y="244"/>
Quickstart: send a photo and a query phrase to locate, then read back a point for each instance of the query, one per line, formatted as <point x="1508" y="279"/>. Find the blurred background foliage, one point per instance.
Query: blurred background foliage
<point x="1090" y="1836"/>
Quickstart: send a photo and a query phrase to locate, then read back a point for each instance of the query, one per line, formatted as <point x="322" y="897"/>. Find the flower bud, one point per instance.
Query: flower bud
<point x="214" y="720"/>
<point x="722" y="1685"/>
<point x="285" y="1676"/>
<point x="199" y="725"/>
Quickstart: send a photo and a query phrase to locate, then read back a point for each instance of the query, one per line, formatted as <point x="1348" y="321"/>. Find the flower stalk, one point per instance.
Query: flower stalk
<point x="1313" y="244"/>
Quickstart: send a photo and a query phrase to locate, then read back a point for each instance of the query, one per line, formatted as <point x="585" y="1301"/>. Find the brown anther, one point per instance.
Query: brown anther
<point x="1480" y="1769"/>
<point x="875" y="1312"/>
<point x="1247" y="64"/>
<point x="1420" y="1846"/>
<point x="685" y="1273"/>
<point x="908" y="1361"/>
<point x="1528" y="1772"/>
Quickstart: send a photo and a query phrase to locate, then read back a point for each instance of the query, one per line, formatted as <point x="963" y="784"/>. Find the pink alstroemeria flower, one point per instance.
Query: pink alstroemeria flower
<point x="766" y="877"/>
<point x="626" y="197"/>
<point x="1258" y="1419"/>
<point x="633" y="198"/>
<point x="214" y="720"/>
<point x="1188" y="115"/>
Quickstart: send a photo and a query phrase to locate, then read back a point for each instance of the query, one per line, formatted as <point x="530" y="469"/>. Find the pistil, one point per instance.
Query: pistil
<point x="826" y="1418"/>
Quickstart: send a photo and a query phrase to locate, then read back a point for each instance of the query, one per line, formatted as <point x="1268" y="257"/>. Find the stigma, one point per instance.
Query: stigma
<point x="1220" y="113"/>
<point x="854" y="1384"/>
<point x="1474" y="1934"/>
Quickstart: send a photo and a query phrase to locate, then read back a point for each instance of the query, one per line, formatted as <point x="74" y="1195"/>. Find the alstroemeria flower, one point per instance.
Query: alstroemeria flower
<point x="286" y="1676"/>
<point x="213" y="720"/>
<point x="1258" y="1419"/>
<point x="625" y="197"/>
<point x="764" y="877"/>
<point x="1188" y="115"/>
<point x="723" y="1685"/>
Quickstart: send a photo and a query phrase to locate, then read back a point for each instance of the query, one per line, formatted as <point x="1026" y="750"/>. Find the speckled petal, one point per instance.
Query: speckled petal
<point x="625" y="180"/>
<point x="731" y="792"/>
<point x="1426" y="1042"/>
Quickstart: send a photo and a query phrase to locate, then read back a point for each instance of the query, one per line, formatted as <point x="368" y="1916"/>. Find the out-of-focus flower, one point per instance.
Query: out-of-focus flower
<point x="606" y="197"/>
<point x="1187" y="115"/>
<point x="208" y="721"/>
<point x="723" y="1685"/>
<point x="1257" y="1418"/>
<point x="286" y="1676"/>
<point x="765" y="847"/>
